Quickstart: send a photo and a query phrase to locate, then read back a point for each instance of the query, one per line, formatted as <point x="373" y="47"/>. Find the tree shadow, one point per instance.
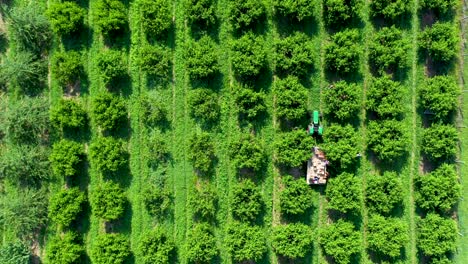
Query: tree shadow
<point x="213" y="82"/>
<point x="199" y="30"/>
<point x="123" y="84"/>
<point x="123" y="175"/>
<point x="403" y="21"/>
<point x="379" y="258"/>
<point x="258" y="27"/>
<point x="288" y="25"/>
<point x="78" y="40"/>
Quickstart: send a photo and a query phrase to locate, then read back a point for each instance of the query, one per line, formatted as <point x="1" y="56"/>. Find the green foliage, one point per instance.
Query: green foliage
<point x="156" y="17"/>
<point x="247" y="153"/>
<point x="436" y="235"/>
<point x="340" y="144"/>
<point x="247" y="53"/>
<point x="291" y="99"/>
<point x="111" y="17"/>
<point x="245" y="14"/>
<point x="159" y="150"/>
<point x="344" y="193"/>
<point x="294" y="54"/>
<point x="156" y="247"/>
<point x="440" y="41"/>
<point x="108" y="111"/>
<point x="201" y="152"/>
<point x="292" y="148"/>
<point x="66" y="157"/>
<point x="440" y="94"/>
<point x="68" y="114"/>
<point x="157" y="200"/>
<point x="297" y="9"/>
<point x="244" y="242"/>
<point x="383" y="192"/>
<point x="440" y="142"/>
<point x="204" y="105"/>
<point x="201" y="11"/>
<point x="389" y="9"/>
<point x="204" y="202"/>
<point x="156" y="61"/>
<point x="64" y="249"/>
<point x="202" y="58"/>
<point x="67" y="67"/>
<point x="108" y="201"/>
<point x="387" y="139"/>
<point x="65" y="205"/>
<point x="66" y="17"/>
<point x="387" y="236"/>
<point x="295" y="197"/>
<point x="201" y="244"/>
<point x="292" y="240"/>
<point x="14" y="253"/>
<point x="389" y="50"/>
<point x="111" y="65"/>
<point x="250" y="104"/>
<point x="108" y="154"/>
<point x="246" y="201"/>
<point x="340" y="241"/>
<point x="154" y="111"/>
<point x="343" y="52"/>
<point x="110" y="248"/>
<point x="340" y="12"/>
<point x="385" y="97"/>
<point x="440" y="6"/>
<point x="438" y="190"/>
<point x="343" y="100"/>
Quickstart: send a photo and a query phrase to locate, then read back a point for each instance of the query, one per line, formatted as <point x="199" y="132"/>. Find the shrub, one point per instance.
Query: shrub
<point x="340" y="144"/>
<point x="344" y="193"/>
<point x="14" y="253"/>
<point x="246" y="200"/>
<point x="64" y="249"/>
<point x="438" y="190"/>
<point x="295" y="197"/>
<point x="108" y="201"/>
<point x="248" y="55"/>
<point x="154" y="111"/>
<point x="247" y="153"/>
<point x="343" y="100"/>
<point x="201" y="244"/>
<point x="292" y="148"/>
<point x="389" y="9"/>
<point x="389" y="50"/>
<point x="383" y="192"/>
<point x="108" y="154"/>
<point x="436" y="235"/>
<point x="340" y="12"/>
<point x="108" y="111"/>
<point x="156" y="247"/>
<point x="156" y="17"/>
<point x="387" y="236"/>
<point x="440" y="142"/>
<point x="387" y="139"/>
<point x="342" y="54"/>
<point x="292" y="240"/>
<point x="201" y="152"/>
<point x="204" y="105"/>
<point x="244" y="242"/>
<point x="65" y="18"/>
<point x="245" y="14"/>
<point x="204" y="202"/>
<point x="440" y="94"/>
<point x="65" y="205"/>
<point x="340" y="241"/>
<point x="201" y="11"/>
<point x="440" y="6"/>
<point x="440" y="41"/>
<point x="291" y="99"/>
<point x="67" y="67"/>
<point x="111" y="65"/>
<point x="111" y="17"/>
<point x="156" y="61"/>
<point x="110" y="248"/>
<point x="385" y="97"/>
<point x="158" y="149"/>
<point x="294" y="54"/>
<point x="297" y="9"/>
<point x="66" y="157"/>
<point x="251" y="104"/>
<point x="202" y="58"/>
<point x="157" y="200"/>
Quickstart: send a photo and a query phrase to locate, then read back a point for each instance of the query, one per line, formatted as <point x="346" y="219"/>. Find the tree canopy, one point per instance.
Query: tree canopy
<point x="65" y="205"/>
<point x="202" y="58"/>
<point x="108" y="111"/>
<point x="387" y="139"/>
<point x="250" y="104"/>
<point x="291" y="99"/>
<point x="202" y="12"/>
<point x="292" y="240"/>
<point x="292" y="148"/>
<point x="343" y="52"/>
<point x="14" y="253"/>
<point x="108" y="154"/>
<point x="157" y="200"/>
<point x="387" y="236"/>
<point x="297" y="9"/>
<point x="340" y="240"/>
<point x="440" y="94"/>
<point x="340" y="145"/>
<point x="112" y="65"/>
<point x="440" y="41"/>
<point x="65" y="18"/>
<point x="244" y="242"/>
<point x="343" y="100"/>
<point x="295" y="197"/>
<point x="247" y="53"/>
<point x="156" y="17"/>
<point x="201" y="152"/>
<point x="67" y="67"/>
<point x="64" y="249"/>
<point x="340" y="12"/>
<point x="389" y="9"/>
<point x="201" y="244"/>
<point x="246" y="201"/>
<point x="344" y="193"/>
<point x="155" y="60"/>
<point x="110" y="248"/>
<point x="294" y="54"/>
<point x="385" y="97"/>
<point x="111" y="17"/>
<point x="68" y="114"/>
<point x="245" y="14"/>
<point x="440" y="6"/>
<point x="383" y="192"/>
<point x="440" y="142"/>
<point x="204" y="105"/>
<point x="436" y="235"/>
<point x="247" y="153"/>
<point x="66" y="157"/>
<point x="156" y="247"/>
<point x="389" y="50"/>
<point x="204" y="202"/>
<point x="108" y="201"/>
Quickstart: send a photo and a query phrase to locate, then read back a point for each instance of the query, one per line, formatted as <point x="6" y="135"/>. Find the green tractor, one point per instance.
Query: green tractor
<point x="315" y="128"/>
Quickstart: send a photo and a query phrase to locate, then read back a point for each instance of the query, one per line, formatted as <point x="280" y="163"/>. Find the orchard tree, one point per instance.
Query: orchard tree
<point x="388" y="50"/>
<point x="344" y="193"/>
<point x="439" y="142"/>
<point x="337" y="13"/>
<point x="245" y="242"/>
<point x="157" y="200"/>
<point x="440" y="94"/>
<point x="436" y="235"/>
<point x="343" y="52"/>
<point x="201" y="12"/>
<point x="65" y="205"/>
<point x="294" y="54"/>
<point x="204" y="105"/>
<point x="64" y="249"/>
<point x="440" y="41"/>
<point x="108" y="111"/>
<point x="154" y="112"/>
<point x="159" y="153"/>
<point x="387" y="236"/>
<point x="291" y="99"/>
<point x="340" y="145"/>
<point x="111" y="17"/>
<point x="156" y="17"/>
<point x="248" y="54"/>
<point x="439" y="190"/>
<point x="385" y="97"/>
<point x="68" y="114"/>
<point x="293" y="148"/>
<point x="202" y="58"/>
<point x="250" y="104"/>
<point x="343" y="100"/>
<point x="66" y="157"/>
<point x="108" y="154"/>
<point x="201" y="244"/>
<point x="112" y="66"/>
<point x="389" y="9"/>
<point x="440" y="6"/>
<point x="155" y="61"/>
<point x="296" y="9"/>
<point x="295" y="197"/>
<point x="201" y="152"/>
<point x="246" y="201"/>
<point x="245" y="14"/>
<point x="156" y="247"/>
<point x="247" y="153"/>
<point x="383" y="192"/>
<point x="110" y="248"/>
<point x="292" y="240"/>
<point x="65" y="18"/>
<point x="67" y="67"/>
<point x="204" y="202"/>
<point x="340" y="241"/>
<point x="108" y="201"/>
<point x="15" y="253"/>
<point x="387" y="139"/>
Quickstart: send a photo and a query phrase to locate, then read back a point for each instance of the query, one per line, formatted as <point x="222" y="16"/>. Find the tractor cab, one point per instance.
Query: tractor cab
<point x="315" y="128"/>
